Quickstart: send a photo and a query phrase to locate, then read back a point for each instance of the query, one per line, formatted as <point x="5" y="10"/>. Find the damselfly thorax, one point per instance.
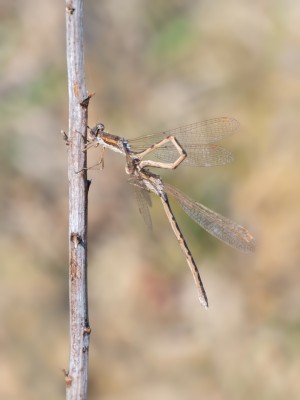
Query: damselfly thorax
<point x="107" y="140"/>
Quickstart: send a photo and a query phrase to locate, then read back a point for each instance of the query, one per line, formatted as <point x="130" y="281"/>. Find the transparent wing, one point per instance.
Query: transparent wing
<point x="204" y="132"/>
<point x="222" y="228"/>
<point x="197" y="155"/>
<point x="144" y="202"/>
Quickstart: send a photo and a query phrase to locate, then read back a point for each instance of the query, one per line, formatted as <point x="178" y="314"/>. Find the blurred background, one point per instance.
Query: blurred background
<point x="153" y="65"/>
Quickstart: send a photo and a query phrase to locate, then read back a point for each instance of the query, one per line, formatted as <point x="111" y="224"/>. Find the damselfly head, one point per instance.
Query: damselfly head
<point x="94" y="132"/>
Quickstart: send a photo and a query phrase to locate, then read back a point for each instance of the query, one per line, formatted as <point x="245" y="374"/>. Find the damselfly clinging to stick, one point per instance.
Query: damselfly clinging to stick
<point x="191" y="145"/>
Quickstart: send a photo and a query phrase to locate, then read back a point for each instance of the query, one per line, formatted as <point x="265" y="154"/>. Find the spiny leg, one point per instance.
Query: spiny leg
<point x="89" y="145"/>
<point x="100" y="162"/>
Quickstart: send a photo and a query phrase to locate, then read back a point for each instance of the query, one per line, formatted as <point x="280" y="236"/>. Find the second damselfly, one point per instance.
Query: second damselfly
<point x="192" y="145"/>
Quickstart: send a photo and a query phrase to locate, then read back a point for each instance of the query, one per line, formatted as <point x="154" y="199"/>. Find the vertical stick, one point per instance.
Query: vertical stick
<point x="77" y="376"/>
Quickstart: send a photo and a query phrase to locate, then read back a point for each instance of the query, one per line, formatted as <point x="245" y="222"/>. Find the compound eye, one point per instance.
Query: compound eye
<point x="100" y="127"/>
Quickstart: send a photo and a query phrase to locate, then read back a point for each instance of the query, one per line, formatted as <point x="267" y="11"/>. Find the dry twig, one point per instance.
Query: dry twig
<point x="77" y="375"/>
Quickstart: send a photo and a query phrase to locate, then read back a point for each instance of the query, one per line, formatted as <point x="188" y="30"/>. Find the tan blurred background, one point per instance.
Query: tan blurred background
<point x="154" y="65"/>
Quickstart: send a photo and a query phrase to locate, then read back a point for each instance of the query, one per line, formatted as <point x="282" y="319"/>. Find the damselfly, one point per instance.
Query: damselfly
<point x="192" y="145"/>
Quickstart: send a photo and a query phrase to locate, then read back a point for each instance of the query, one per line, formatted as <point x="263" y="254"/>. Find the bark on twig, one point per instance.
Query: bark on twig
<point x="77" y="375"/>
